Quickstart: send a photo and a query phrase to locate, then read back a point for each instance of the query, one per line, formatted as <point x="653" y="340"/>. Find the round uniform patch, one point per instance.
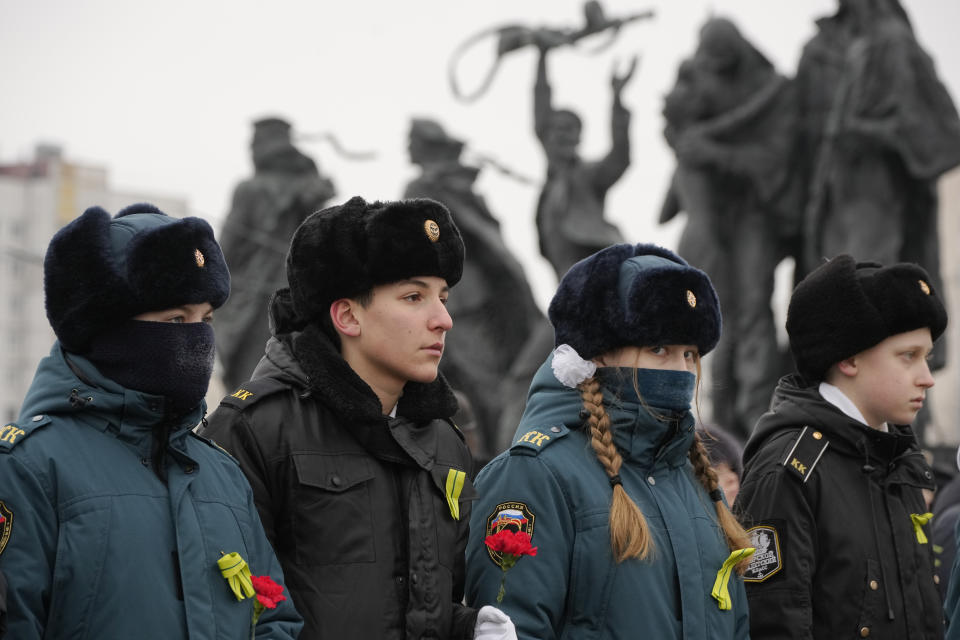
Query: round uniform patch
<point x="515" y="516"/>
<point x="766" y="561"/>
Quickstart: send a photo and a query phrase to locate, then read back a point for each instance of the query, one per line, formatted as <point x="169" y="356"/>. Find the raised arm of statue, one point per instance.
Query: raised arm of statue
<point x="542" y="98"/>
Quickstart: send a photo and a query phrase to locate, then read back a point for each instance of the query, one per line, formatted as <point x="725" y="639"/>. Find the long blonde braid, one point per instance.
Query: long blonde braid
<point x="629" y="534"/>
<point x="736" y="537"/>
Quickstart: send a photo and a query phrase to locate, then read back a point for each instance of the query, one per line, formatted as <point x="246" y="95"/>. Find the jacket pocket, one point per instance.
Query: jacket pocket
<point x="332" y="510"/>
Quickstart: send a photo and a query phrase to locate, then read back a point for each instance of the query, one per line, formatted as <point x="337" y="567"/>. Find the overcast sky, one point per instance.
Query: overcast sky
<point x="163" y="93"/>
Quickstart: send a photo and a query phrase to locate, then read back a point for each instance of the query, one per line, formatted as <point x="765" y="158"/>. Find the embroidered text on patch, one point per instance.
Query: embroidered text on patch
<point x="766" y="560"/>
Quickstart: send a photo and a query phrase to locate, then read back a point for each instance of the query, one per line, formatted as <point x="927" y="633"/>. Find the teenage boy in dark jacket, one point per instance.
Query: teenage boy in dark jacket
<point x="832" y="491"/>
<point x="344" y="431"/>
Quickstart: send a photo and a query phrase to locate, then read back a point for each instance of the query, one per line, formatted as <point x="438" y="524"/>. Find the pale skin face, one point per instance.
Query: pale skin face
<point x="398" y="337"/>
<point x="677" y="357"/>
<point x="202" y="312"/>
<point x="888" y="381"/>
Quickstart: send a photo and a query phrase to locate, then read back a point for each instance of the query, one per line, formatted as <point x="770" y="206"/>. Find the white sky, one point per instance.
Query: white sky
<point x="163" y="93"/>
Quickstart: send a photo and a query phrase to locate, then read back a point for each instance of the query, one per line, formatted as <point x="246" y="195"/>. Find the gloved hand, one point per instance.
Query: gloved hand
<point x="493" y="624"/>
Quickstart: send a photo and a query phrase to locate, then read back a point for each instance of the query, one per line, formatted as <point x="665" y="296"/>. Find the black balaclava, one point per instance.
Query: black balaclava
<point x="173" y="360"/>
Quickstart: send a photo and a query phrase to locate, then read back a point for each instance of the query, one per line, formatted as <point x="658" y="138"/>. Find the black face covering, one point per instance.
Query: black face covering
<point x="161" y="358"/>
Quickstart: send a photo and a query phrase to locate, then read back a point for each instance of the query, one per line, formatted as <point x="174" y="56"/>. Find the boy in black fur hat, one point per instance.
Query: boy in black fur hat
<point x="832" y="491"/>
<point x="344" y="431"/>
<point x="114" y="515"/>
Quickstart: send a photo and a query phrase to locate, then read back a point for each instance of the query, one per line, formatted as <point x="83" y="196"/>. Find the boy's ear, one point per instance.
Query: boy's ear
<point x="848" y="366"/>
<point x="343" y="317"/>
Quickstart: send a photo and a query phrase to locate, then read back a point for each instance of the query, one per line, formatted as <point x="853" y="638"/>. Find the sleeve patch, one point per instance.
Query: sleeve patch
<point x="767" y="560"/>
<point x="6" y="526"/>
<point x="515" y="516"/>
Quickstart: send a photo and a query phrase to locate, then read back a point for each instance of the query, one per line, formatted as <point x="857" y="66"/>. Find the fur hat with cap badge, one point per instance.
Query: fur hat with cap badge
<point x="844" y="307"/>
<point x="100" y="271"/>
<point x="346" y="250"/>
<point x="640" y="295"/>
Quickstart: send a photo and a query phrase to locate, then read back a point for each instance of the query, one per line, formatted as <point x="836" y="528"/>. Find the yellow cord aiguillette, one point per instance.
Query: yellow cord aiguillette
<point x="234" y="568"/>
<point x="920" y="519"/>
<point x="721" y="590"/>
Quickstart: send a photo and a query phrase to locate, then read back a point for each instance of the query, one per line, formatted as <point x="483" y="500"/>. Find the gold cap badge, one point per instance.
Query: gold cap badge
<point x="691" y="299"/>
<point x="198" y="256"/>
<point x="924" y="287"/>
<point x="432" y="229"/>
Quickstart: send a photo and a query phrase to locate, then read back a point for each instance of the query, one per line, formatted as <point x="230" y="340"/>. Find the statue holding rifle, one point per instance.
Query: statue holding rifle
<point x="570" y="222"/>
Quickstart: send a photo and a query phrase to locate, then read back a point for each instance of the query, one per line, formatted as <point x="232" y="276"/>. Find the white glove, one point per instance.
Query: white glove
<point x="493" y="624"/>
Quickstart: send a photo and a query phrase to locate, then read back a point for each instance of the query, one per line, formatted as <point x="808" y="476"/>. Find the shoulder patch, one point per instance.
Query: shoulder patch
<point x="515" y="516"/>
<point x="535" y="440"/>
<point x="805" y="453"/>
<point x="251" y="392"/>
<point x="13" y="433"/>
<point x="767" y="560"/>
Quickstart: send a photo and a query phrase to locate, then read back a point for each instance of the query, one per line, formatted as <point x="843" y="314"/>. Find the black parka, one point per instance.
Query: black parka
<point x="836" y="513"/>
<point x="354" y="502"/>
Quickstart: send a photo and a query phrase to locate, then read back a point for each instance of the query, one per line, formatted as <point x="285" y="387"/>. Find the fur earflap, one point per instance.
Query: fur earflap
<point x="844" y="307"/>
<point x="639" y="295"/>
<point x="100" y="271"/>
<point x="346" y="250"/>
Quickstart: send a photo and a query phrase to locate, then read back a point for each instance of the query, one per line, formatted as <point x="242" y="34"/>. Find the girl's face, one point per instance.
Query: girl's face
<point x="677" y="357"/>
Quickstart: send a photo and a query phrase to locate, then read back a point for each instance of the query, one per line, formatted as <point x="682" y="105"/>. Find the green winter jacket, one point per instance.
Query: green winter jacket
<point x="95" y="545"/>
<point x="551" y="484"/>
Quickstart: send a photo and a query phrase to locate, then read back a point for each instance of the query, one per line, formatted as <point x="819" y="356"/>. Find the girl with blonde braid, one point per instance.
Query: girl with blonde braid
<point x="607" y="474"/>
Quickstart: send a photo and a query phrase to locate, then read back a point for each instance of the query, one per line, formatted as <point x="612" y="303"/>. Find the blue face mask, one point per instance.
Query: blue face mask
<point x="666" y="388"/>
<point x="160" y="358"/>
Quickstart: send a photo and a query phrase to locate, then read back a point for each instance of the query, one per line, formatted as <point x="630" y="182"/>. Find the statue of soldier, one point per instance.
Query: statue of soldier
<point x="570" y="220"/>
<point x="286" y="187"/>
<point x="731" y="122"/>
<point x="879" y="128"/>
<point x="493" y="308"/>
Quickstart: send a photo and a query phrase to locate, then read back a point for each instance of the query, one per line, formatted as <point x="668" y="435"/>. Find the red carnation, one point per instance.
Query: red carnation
<point x="511" y="545"/>
<point x="269" y="593"/>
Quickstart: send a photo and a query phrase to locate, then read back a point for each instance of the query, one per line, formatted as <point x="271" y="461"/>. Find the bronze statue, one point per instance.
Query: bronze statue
<point x="570" y="221"/>
<point x="493" y="309"/>
<point x="286" y="187"/>
<point x="513" y="37"/>
<point x="879" y="128"/>
<point x="731" y="122"/>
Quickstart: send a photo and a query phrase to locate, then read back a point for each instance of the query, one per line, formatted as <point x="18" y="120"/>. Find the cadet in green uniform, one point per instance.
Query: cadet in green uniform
<point x="115" y="515"/>
<point x="832" y="489"/>
<point x="607" y="473"/>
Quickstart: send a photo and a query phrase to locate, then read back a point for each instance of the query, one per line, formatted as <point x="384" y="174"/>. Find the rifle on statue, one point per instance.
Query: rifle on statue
<point x="514" y="37"/>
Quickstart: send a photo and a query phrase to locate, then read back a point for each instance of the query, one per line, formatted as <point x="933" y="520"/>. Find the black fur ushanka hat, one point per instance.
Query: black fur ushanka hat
<point x="346" y="250"/>
<point x="844" y="307"/>
<point x="640" y="295"/>
<point x="100" y="271"/>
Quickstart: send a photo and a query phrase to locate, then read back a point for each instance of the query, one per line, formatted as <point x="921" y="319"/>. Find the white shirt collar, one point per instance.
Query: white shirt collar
<point x="839" y="399"/>
<point x="393" y="412"/>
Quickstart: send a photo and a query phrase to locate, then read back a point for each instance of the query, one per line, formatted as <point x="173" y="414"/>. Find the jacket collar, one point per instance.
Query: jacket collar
<point x="639" y="435"/>
<point x="67" y="384"/>
<point x="797" y="403"/>
<point x="310" y="357"/>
